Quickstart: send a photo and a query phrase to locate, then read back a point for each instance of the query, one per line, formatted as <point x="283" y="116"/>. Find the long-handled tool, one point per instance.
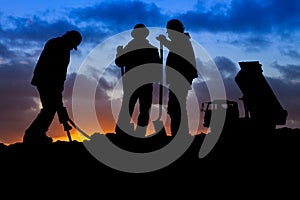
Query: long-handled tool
<point x="158" y="124"/>
<point x="78" y="129"/>
<point x="64" y="118"/>
<point x="67" y="128"/>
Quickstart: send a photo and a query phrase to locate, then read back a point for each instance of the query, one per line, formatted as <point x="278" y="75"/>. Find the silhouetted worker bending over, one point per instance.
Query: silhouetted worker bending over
<point x="180" y="72"/>
<point x="49" y="77"/>
<point x="137" y="53"/>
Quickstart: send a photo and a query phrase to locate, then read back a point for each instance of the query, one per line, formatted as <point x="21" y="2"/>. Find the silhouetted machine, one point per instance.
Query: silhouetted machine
<point x="262" y="108"/>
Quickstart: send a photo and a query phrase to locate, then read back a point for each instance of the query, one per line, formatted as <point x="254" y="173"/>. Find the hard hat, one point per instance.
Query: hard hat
<point x="140" y="30"/>
<point x="176" y="25"/>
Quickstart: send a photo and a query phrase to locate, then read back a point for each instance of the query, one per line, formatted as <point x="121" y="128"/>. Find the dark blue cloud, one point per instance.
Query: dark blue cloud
<point x="226" y="66"/>
<point x="246" y="16"/>
<point x="118" y="16"/>
<point x="290" y="73"/>
<point x="33" y="29"/>
<point x="228" y="70"/>
<point x="95" y="22"/>
<point x="292" y="53"/>
<point x="105" y="18"/>
<point x="5" y="52"/>
<point x="252" y="43"/>
<point x="16" y="102"/>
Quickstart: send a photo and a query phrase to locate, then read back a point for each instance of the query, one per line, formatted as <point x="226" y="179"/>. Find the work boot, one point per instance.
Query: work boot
<point x="140" y="131"/>
<point x="42" y="138"/>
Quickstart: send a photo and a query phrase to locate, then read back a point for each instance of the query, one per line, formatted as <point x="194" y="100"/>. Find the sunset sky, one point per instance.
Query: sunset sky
<point x="229" y="30"/>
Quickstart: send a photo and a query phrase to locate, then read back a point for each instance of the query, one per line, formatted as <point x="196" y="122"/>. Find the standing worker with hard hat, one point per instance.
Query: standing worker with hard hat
<point x="180" y="72"/>
<point x="138" y="53"/>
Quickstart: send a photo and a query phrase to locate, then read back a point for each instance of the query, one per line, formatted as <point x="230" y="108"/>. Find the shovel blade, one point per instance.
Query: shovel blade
<point x="159" y="127"/>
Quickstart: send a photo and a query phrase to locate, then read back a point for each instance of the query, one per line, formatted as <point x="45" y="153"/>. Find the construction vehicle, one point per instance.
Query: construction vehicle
<point x="228" y="107"/>
<point x="263" y="111"/>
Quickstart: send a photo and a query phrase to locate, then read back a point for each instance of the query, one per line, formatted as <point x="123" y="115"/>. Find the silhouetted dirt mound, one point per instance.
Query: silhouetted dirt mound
<point x="228" y="159"/>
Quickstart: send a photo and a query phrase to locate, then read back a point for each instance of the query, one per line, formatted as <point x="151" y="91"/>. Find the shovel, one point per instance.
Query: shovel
<point x="130" y="127"/>
<point x="158" y="124"/>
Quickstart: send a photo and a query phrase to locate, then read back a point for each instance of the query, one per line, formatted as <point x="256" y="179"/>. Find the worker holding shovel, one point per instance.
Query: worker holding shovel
<point x="180" y="72"/>
<point x="137" y="53"/>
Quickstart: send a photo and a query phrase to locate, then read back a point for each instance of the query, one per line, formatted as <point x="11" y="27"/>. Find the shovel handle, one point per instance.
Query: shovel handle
<point x="122" y="71"/>
<point x="161" y="48"/>
<point x="69" y="136"/>
<point x="80" y="130"/>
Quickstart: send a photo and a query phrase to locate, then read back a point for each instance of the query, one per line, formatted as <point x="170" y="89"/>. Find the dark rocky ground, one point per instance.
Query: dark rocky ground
<point x="258" y="160"/>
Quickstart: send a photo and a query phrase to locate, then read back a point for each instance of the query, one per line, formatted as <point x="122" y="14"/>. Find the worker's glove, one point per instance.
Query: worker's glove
<point x="67" y="126"/>
<point x="63" y="118"/>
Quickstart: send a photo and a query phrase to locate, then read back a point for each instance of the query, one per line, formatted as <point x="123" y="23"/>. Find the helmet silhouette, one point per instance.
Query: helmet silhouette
<point x="176" y="25"/>
<point x="140" y="30"/>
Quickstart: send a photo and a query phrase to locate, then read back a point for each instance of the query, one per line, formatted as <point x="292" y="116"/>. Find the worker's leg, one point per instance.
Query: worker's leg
<point x="127" y="108"/>
<point x="177" y="111"/>
<point x="145" y="101"/>
<point x="36" y="133"/>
